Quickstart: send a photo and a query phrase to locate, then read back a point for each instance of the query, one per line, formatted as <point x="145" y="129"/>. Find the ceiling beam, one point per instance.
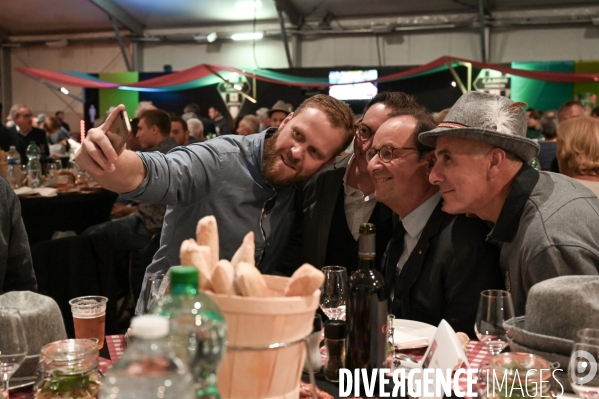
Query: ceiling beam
<point x="120" y="14"/>
<point x="289" y="9"/>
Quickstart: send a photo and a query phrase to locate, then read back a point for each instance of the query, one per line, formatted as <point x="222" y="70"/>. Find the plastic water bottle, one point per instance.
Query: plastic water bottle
<point x="13" y="163"/>
<point x="34" y="166"/>
<point x="149" y="369"/>
<point x="198" y="329"/>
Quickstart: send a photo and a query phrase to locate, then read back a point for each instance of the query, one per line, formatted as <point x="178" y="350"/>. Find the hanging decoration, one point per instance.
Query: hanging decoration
<point x="206" y="74"/>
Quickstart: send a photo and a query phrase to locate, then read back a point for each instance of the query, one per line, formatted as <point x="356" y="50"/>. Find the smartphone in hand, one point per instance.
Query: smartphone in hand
<point x="119" y="132"/>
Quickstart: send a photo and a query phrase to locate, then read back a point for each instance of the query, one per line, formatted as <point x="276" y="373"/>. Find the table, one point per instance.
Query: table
<point x="72" y="211"/>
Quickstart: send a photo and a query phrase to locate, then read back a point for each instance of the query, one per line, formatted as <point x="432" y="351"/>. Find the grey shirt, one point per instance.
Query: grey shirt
<point x="548" y="227"/>
<point x="220" y="177"/>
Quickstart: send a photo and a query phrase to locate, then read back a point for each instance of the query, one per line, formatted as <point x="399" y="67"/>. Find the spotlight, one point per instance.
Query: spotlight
<point x="212" y="37"/>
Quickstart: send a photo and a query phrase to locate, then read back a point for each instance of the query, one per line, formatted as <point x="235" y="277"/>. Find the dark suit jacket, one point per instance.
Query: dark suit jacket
<point x="317" y="200"/>
<point x="445" y="273"/>
<point x="21" y="142"/>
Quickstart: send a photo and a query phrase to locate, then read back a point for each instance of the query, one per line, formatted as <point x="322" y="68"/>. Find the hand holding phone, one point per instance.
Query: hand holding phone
<point x="119" y="132"/>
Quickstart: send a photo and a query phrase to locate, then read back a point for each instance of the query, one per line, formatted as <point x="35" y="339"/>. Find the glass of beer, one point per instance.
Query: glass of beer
<point x="89" y="317"/>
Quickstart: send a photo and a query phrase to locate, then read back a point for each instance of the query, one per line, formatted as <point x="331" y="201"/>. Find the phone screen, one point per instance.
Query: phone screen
<point x="119" y="132"/>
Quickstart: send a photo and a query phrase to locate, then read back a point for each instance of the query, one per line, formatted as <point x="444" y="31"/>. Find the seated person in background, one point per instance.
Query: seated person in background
<point x="193" y="111"/>
<point x="262" y="115"/>
<point x="341" y="197"/>
<point x="436" y="264"/>
<point x="546" y="157"/>
<point x="196" y="129"/>
<point x="135" y="231"/>
<point x="122" y="206"/>
<point x="248" y="125"/>
<point x="570" y="109"/>
<point x="23" y="132"/>
<point x="56" y="134"/>
<point x="60" y="116"/>
<point x="578" y="150"/>
<point x="546" y="224"/>
<point x="277" y="113"/>
<point x="222" y="124"/>
<point x="179" y="131"/>
<point x="534" y="123"/>
<point x="16" y="269"/>
<point x="246" y="182"/>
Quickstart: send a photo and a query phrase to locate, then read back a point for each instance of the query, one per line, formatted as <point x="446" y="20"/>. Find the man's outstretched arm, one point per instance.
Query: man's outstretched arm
<point x="120" y="173"/>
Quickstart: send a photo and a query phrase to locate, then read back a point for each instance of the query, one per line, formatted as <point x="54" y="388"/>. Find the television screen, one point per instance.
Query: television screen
<point x="355" y="91"/>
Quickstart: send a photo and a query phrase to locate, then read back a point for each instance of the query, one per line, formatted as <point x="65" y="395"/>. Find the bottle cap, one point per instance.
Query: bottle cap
<point x="317" y="323"/>
<point x="335" y="329"/>
<point x="184" y="275"/>
<point x="149" y="327"/>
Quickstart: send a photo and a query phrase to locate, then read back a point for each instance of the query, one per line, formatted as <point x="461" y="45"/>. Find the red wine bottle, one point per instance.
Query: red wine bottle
<point x="367" y="309"/>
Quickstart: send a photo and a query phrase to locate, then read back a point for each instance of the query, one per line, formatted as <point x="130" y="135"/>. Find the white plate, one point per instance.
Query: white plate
<point x="416" y="329"/>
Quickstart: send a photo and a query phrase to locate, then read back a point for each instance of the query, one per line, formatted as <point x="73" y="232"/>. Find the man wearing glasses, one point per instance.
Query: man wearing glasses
<point x="436" y="264"/>
<point x="23" y="132"/>
<point x="341" y="197"/>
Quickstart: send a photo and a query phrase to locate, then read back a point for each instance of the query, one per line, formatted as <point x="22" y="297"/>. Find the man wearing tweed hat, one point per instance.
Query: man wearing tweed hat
<point x="545" y="223"/>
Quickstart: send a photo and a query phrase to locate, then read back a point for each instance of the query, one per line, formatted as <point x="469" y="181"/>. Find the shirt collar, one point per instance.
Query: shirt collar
<point x="509" y="218"/>
<point x="415" y="221"/>
<point x="21" y="132"/>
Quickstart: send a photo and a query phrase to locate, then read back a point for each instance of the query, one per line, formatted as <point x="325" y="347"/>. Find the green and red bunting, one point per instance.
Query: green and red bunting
<point x="206" y="74"/>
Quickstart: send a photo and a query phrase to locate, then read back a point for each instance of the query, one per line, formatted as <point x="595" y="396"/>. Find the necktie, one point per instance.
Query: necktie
<point x="392" y="254"/>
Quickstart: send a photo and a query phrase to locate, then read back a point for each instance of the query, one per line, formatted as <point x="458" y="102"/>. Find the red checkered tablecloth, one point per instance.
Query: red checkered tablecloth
<point x="116" y="346"/>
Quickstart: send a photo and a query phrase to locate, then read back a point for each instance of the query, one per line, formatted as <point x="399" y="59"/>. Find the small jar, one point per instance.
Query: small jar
<point x="68" y="369"/>
<point x="335" y="335"/>
<point x="523" y="372"/>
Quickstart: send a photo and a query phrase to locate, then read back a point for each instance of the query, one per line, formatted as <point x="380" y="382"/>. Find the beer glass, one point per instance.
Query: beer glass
<point x="89" y="317"/>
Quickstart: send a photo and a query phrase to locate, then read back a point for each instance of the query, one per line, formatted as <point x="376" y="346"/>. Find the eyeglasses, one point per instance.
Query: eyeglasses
<point x="387" y="153"/>
<point x="363" y="132"/>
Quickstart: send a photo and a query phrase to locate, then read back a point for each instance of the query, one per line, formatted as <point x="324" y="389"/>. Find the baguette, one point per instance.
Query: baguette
<point x="304" y="281"/>
<point x="223" y="278"/>
<point x="250" y="280"/>
<point x="246" y="252"/>
<point x="192" y="254"/>
<point x="207" y="234"/>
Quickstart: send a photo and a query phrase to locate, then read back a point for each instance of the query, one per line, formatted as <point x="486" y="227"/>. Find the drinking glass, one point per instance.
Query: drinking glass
<point x="335" y="291"/>
<point x="582" y="370"/>
<point x="588" y="336"/>
<point x="494" y="307"/>
<point x="89" y="317"/>
<point x="152" y="294"/>
<point x="13" y="345"/>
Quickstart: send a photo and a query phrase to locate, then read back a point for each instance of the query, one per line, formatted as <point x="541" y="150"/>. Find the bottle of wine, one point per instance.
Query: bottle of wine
<point x="367" y="309"/>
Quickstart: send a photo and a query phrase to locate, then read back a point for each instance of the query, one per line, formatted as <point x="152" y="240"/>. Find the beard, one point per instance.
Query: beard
<point x="272" y="171"/>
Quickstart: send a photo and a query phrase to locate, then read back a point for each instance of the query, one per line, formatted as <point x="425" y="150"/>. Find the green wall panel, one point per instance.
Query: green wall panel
<point x="539" y="94"/>
<point x="113" y="97"/>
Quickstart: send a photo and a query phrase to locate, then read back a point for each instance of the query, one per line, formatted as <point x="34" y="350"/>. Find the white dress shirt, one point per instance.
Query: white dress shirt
<point x="414" y="223"/>
<point x="358" y="207"/>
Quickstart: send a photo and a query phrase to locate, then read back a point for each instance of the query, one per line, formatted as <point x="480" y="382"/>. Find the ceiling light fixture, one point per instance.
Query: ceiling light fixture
<point x="248" y="5"/>
<point x="64" y="90"/>
<point x="58" y="43"/>
<point x="247" y="36"/>
<point x="212" y="37"/>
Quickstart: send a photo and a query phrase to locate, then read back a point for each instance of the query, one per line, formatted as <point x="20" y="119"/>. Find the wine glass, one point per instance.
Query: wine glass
<point x="152" y="294"/>
<point x="582" y="370"/>
<point x="494" y="307"/>
<point x="13" y="345"/>
<point x="334" y="294"/>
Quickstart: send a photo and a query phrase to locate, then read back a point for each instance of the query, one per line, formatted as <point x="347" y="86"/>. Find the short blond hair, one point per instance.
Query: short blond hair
<point x="578" y="145"/>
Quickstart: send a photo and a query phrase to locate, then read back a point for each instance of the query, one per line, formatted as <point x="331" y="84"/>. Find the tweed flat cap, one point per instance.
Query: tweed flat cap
<point x="492" y="119"/>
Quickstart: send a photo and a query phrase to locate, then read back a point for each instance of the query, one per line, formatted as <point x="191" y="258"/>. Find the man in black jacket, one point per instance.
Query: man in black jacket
<point x="23" y="132"/>
<point x="436" y="264"/>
